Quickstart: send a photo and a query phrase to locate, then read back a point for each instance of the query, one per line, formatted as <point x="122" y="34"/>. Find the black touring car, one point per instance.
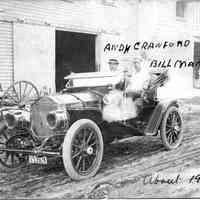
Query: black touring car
<point x="70" y="124"/>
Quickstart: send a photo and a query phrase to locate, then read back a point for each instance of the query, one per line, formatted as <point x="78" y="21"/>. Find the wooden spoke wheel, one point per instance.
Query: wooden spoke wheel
<point x="82" y="149"/>
<point x="171" y="128"/>
<point x="19" y="94"/>
<point x="10" y="161"/>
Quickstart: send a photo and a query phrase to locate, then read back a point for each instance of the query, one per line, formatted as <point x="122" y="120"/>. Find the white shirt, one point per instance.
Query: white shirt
<point x="139" y="79"/>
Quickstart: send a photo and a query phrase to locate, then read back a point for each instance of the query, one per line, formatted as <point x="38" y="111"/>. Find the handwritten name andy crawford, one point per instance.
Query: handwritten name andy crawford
<point x="125" y="48"/>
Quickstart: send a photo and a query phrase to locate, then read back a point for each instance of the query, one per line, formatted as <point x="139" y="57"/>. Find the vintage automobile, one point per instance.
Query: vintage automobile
<point x="69" y="125"/>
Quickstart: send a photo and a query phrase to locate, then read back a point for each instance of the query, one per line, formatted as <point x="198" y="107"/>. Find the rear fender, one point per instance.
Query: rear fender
<point x="157" y="115"/>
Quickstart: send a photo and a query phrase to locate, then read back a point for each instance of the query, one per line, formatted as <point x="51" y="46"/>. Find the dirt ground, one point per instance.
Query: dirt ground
<point x="124" y="172"/>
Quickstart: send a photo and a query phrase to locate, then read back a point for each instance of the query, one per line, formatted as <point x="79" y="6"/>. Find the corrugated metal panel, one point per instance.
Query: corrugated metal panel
<point x="6" y="54"/>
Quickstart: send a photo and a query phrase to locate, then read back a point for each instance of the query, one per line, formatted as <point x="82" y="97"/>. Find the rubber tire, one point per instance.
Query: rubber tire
<point x="66" y="149"/>
<point x="163" y="126"/>
<point x="3" y="168"/>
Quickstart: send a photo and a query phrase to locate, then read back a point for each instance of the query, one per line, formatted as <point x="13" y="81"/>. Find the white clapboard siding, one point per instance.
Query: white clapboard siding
<point x="84" y="15"/>
<point x="54" y="12"/>
<point x="6" y="54"/>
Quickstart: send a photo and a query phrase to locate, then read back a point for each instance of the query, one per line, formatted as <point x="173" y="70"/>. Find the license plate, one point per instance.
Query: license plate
<point x="33" y="159"/>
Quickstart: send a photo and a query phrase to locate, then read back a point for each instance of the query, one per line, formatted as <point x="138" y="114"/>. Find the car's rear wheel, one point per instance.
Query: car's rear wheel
<point x="82" y="149"/>
<point x="171" y="128"/>
<point x="21" y="93"/>
<point x="10" y="161"/>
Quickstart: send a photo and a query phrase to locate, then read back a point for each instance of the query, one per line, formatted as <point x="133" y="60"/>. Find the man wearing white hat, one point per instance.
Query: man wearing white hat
<point x="138" y="77"/>
<point x="138" y="81"/>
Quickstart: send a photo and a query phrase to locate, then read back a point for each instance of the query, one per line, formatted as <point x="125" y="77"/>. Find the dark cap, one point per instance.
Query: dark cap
<point x="113" y="61"/>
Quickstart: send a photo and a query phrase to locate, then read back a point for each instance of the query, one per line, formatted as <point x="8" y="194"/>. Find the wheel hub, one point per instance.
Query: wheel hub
<point x="176" y="128"/>
<point x="89" y="150"/>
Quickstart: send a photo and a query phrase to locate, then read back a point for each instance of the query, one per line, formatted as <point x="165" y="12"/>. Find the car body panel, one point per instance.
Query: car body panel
<point x="156" y="117"/>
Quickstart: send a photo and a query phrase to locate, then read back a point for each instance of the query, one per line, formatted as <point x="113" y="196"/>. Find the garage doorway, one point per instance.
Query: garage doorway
<point x="75" y="52"/>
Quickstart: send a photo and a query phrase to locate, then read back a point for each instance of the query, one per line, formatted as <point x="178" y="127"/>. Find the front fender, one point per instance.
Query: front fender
<point x="94" y="115"/>
<point x="157" y="115"/>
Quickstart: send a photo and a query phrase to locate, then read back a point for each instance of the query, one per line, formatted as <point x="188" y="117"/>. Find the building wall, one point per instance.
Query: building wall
<point x="125" y="32"/>
<point x="125" y="22"/>
<point x="168" y="27"/>
<point x="147" y="17"/>
<point x="158" y="22"/>
<point x="34" y="50"/>
<point x="87" y="16"/>
<point x="193" y="17"/>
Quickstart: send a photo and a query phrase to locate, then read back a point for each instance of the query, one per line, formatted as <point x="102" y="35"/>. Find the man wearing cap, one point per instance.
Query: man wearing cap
<point x="113" y="64"/>
<point x="118" y="72"/>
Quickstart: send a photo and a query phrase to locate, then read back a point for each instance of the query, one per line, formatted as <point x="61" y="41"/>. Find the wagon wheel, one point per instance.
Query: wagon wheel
<point x="171" y="128"/>
<point x="10" y="161"/>
<point x="20" y="93"/>
<point x="82" y="149"/>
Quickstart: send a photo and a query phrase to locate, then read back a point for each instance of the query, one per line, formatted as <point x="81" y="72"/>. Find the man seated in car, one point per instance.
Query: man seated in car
<point x="138" y="78"/>
<point x="120" y="73"/>
<point x="125" y="100"/>
<point x="134" y="79"/>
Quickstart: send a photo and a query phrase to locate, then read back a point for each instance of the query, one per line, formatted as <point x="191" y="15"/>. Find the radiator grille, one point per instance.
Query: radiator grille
<point x="38" y="116"/>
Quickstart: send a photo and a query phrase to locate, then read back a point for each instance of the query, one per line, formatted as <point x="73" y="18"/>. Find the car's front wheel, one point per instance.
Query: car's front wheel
<point x="171" y="128"/>
<point x="11" y="160"/>
<point x="82" y="149"/>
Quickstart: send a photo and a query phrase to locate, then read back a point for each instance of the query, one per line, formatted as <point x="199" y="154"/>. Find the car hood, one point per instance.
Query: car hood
<point x="73" y="98"/>
<point x="51" y="103"/>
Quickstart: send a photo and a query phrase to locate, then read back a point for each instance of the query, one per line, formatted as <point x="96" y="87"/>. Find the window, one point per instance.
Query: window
<point x="180" y="9"/>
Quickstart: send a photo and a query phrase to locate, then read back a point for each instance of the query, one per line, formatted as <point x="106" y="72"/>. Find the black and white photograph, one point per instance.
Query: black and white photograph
<point x="99" y="99"/>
